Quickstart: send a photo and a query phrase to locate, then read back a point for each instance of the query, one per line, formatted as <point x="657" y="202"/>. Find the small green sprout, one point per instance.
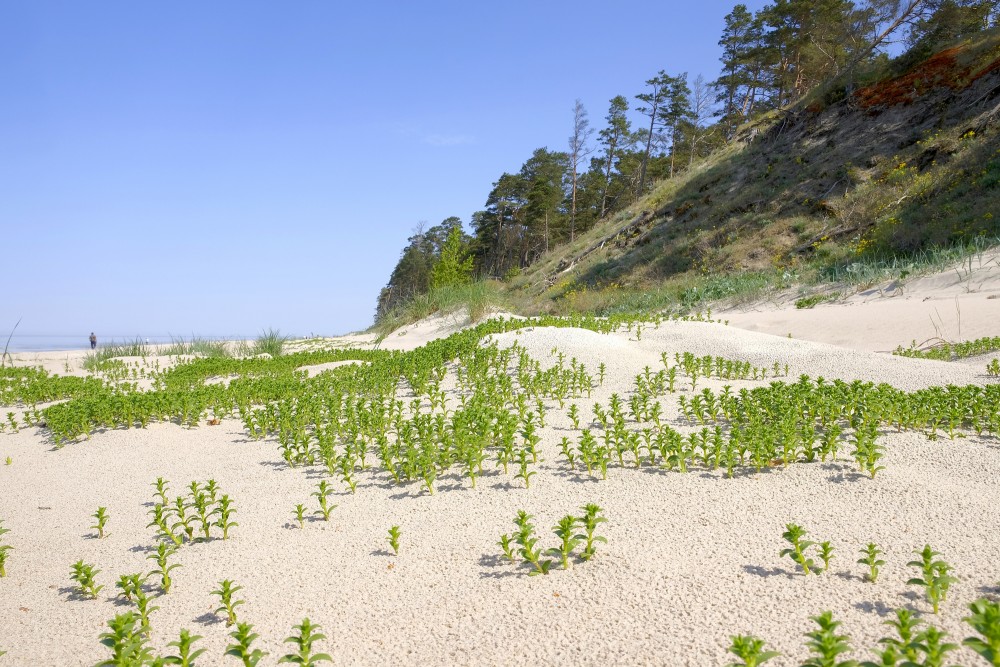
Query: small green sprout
<point x="793" y="534"/>
<point x="750" y="650"/>
<point x="931" y="643"/>
<point x="508" y="547"/>
<point x="574" y="415"/>
<point x="827" y="644"/>
<point x="101" y="516"/>
<point x="85" y="577"/>
<point x="935" y="578"/>
<point x="321" y="494"/>
<point x="163" y="553"/>
<point x="131" y="584"/>
<point x="872" y="560"/>
<point x="590" y="520"/>
<point x="523" y="463"/>
<point x="185" y="656"/>
<point x="225" y="510"/>
<point x="242" y="649"/>
<point x="126" y="641"/>
<point x="304" y="641"/>
<point x="161" y="489"/>
<point x="225" y="592"/>
<point x="568" y="541"/>
<point x="142" y="603"/>
<point x="905" y="625"/>
<point x="985" y="620"/>
<point x="300" y="514"/>
<point x="9" y="460"/>
<point x="825" y="554"/>
<point x="393" y="539"/>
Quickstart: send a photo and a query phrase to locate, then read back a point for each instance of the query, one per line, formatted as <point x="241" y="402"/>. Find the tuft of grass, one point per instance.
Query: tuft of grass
<point x="197" y="346"/>
<point x="478" y="297"/>
<point x="135" y="348"/>
<point x="270" y="342"/>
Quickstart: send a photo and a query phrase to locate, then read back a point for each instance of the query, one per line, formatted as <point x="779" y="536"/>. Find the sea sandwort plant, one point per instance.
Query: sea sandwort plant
<point x="750" y="651"/>
<point x="225" y="510"/>
<point x="797" y="551"/>
<point x="186" y="654"/>
<point x="322" y="494"/>
<point x="870" y="557"/>
<point x="590" y="520"/>
<point x="306" y="636"/>
<point x="226" y="591"/>
<point x="127" y="642"/>
<point x="935" y="577"/>
<point x="101" y="517"/>
<point x="985" y="619"/>
<point x="826" y="644"/>
<point x="300" y="514"/>
<point x="85" y="576"/>
<point x="393" y="539"/>
<point x="162" y="556"/>
<point x="568" y="541"/>
<point x="242" y="648"/>
<point x="4" y="550"/>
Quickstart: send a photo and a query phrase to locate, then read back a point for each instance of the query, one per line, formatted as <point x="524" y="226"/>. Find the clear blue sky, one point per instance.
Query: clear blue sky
<point x="223" y="167"/>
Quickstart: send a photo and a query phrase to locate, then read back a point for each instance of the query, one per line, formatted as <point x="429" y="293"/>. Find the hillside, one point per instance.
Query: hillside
<point x="908" y="161"/>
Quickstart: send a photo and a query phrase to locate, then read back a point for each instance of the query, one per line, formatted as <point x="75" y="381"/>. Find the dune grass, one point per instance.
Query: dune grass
<point x="134" y="348"/>
<point x="479" y="297"/>
<point x="197" y="346"/>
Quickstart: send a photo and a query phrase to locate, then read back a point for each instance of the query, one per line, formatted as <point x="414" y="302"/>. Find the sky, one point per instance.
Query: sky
<point x="220" y="168"/>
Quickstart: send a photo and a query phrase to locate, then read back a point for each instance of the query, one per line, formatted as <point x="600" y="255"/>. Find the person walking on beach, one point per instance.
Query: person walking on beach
<point x="93" y="341"/>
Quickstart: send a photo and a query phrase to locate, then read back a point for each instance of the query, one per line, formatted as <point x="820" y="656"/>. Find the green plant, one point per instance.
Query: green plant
<point x="871" y="559"/>
<point x="827" y="644"/>
<point x="85" y="577"/>
<point x="906" y="630"/>
<point x="321" y="494"/>
<point x="934" y="576"/>
<point x="568" y="541"/>
<point x="101" y="516"/>
<point x="793" y="535"/>
<point x="825" y="554"/>
<point x="163" y="553"/>
<point x="750" y="651"/>
<point x="985" y="619"/>
<point x="131" y="585"/>
<point x="931" y="643"/>
<point x="992" y="369"/>
<point x="303" y="641"/>
<point x="185" y="655"/>
<point x="9" y="461"/>
<point x="243" y="648"/>
<point x="270" y="342"/>
<point x="226" y="591"/>
<point x="508" y="547"/>
<point x="126" y="641"/>
<point x="225" y="510"/>
<point x="4" y="549"/>
<point x="590" y="520"/>
<point x="300" y="515"/>
<point x="394" y="539"/>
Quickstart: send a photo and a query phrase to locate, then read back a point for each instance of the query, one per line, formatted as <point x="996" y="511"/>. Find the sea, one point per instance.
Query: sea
<point x="48" y="342"/>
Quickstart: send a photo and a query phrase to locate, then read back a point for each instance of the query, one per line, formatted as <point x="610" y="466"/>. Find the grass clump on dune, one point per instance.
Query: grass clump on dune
<point x="135" y="348"/>
<point x="478" y="297"/>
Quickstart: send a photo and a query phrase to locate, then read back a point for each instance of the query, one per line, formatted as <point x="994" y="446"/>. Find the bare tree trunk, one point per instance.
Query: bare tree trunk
<point x="578" y="150"/>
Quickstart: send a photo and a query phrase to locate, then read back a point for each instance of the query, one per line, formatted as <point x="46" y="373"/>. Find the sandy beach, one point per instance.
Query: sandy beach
<point x="691" y="558"/>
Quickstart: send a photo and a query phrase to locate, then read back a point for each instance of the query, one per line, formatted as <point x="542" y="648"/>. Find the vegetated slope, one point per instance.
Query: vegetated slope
<point x="898" y="164"/>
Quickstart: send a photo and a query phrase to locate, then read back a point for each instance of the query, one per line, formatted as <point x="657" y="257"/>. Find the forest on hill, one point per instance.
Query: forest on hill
<point x="791" y="56"/>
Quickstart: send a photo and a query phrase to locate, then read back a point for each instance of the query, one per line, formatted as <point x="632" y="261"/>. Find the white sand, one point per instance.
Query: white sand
<point x="691" y="558"/>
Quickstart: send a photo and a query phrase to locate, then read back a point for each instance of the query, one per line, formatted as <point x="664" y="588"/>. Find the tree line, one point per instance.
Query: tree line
<point x="770" y="59"/>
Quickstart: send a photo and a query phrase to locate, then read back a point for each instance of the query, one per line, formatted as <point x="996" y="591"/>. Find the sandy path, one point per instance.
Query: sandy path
<point x="691" y="558"/>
